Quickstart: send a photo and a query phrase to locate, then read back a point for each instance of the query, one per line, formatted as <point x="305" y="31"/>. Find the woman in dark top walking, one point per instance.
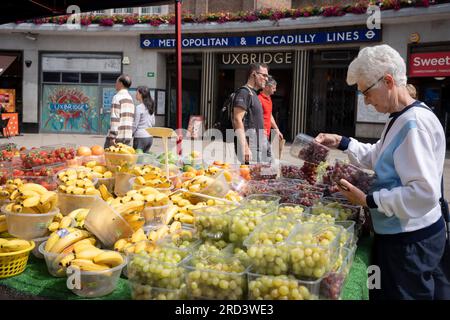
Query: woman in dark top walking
<point x="144" y="117"/>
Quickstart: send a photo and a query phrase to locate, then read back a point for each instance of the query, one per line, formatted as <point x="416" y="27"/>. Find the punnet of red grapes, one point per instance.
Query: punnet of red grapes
<point x="359" y="178"/>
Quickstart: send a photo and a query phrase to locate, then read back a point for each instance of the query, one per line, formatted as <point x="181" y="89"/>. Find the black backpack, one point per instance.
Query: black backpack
<point x="225" y="116"/>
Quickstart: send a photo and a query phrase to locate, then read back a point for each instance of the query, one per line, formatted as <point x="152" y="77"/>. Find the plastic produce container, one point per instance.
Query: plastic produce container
<point x="322" y="218"/>
<point x="211" y="222"/>
<point x="186" y="245"/>
<point x="118" y="159"/>
<point x="145" y="292"/>
<point x="281" y="287"/>
<point x="267" y="249"/>
<point x="108" y="182"/>
<point x="28" y="226"/>
<point x="304" y="198"/>
<point x="288" y="211"/>
<point x="69" y="202"/>
<point x="47" y="182"/>
<point x="306" y="148"/>
<point x="313" y="250"/>
<point x="162" y="268"/>
<point x="94" y="284"/>
<point x="321" y="208"/>
<point x="35" y="250"/>
<point x="291" y="171"/>
<point x="242" y="221"/>
<point x="346" y="211"/>
<point x="52" y="261"/>
<point x="123" y="183"/>
<point x="356" y="176"/>
<point x="262" y="171"/>
<point x="332" y="285"/>
<point x="266" y="202"/>
<point x="155" y="215"/>
<point x="100" y="159"/>
<point x="107" y="225"/>
<point x="50" y="169"/>
<point x="216" y="277"/>
<point x="218" y="188"/>
<point x="348" y="237"/>
<point x="77" y="170"/>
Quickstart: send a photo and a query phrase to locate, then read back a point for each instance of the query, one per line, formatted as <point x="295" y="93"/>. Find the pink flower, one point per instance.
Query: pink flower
<point x="106" y="22"/>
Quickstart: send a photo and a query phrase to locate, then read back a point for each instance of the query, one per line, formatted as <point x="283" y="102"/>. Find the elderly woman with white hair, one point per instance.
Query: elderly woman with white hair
<point x="410" y="238"/>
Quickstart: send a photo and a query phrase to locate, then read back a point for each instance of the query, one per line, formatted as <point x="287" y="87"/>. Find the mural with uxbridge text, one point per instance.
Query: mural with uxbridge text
<point x="70" y="108"/>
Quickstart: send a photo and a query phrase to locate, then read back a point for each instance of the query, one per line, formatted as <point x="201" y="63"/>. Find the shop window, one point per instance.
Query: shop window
<point x="109" y="77"/>
<point x="151" y="10"/>
<point x="51" y="76"/>
<point x="89" y="78"/>
<point x="72" y="77"/>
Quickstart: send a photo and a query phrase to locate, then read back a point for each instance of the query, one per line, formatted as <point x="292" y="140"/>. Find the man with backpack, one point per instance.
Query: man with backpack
<point x="247" y="116"/>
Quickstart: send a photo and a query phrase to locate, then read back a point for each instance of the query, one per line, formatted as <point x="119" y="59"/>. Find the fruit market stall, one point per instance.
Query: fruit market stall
<point x="119" y="224"/>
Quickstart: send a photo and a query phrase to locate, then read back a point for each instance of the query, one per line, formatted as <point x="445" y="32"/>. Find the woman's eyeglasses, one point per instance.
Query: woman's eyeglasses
<point x="370" y="87"/>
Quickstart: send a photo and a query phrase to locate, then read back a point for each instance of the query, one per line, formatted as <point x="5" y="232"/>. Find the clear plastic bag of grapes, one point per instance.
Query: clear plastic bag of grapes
<point x="356" y="176"/>
<point x="281" y="287"/>
<point x="306" y="148"/>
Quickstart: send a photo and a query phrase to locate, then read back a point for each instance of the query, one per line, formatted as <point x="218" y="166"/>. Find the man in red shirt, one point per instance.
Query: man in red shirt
<point x="266" y="102"/>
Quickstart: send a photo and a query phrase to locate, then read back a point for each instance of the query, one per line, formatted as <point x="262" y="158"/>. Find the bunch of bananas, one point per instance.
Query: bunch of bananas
<point x="79" y="215"/>
<point x="86" y="257"/>
<point x="147" y="171"/>
<point x="13" y="245"/>
<point x="70" y="176"/>
<point x="98" y="170"/>
<point x="159" y="182"/>
<point x="121" y="148"/>
<point x="197" y="183"/>
<point x="163" y="231"/>
<point x="78" y="182"/>
<point x="135" y="244"/>
<point x="60" y="222"/>
<point x="31" y="198"/>
<point x="9" y="187"/>
<point x="139" y="242"/>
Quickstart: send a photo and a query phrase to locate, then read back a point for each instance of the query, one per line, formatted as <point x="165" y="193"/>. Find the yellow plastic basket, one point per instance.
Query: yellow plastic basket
<point x="14" y="263"/>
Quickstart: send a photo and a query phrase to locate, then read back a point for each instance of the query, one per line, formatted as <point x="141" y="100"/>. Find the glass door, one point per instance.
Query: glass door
<point x="190" y="100"/>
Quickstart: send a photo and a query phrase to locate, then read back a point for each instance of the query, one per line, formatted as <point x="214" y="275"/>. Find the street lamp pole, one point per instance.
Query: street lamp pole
<point x="178" y="5"/>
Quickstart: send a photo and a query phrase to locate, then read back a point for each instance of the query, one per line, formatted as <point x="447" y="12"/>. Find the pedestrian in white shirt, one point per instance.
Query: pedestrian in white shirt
<point x="410" y="237"/>
<point x="144" y="117"/>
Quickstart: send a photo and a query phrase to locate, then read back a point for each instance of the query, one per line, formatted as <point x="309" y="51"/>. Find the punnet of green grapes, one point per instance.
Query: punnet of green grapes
<point x="282" y="287"/>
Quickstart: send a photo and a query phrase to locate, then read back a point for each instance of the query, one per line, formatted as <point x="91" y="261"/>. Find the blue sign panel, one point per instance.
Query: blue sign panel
<point x="294" y="39"/>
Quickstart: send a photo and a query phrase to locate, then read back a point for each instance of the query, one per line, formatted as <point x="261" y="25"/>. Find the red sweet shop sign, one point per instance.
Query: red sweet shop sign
<point x="430" y="64"/>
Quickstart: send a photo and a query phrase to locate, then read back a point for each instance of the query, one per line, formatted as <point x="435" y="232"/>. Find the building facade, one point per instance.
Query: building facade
<point x="64" y="78"/>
